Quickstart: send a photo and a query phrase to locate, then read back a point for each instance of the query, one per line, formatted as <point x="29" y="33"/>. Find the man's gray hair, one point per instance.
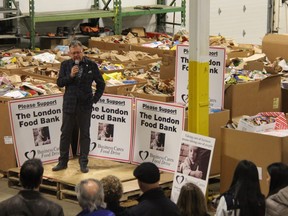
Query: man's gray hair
<point x="75" y="43"/>
<point x="89" y="201"/>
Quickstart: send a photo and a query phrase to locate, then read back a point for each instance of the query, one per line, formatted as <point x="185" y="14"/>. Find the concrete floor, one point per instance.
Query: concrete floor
<point x="70" y="208"/>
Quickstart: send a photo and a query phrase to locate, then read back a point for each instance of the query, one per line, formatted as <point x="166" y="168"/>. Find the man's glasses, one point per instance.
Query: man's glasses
<point x="76" y="52"/>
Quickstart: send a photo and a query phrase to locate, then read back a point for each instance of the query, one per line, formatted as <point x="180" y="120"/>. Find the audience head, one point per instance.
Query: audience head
<point x="277" y="177"/>
<point x="90" y="194"/>
<point x="113" y="189"/>
<point x="148" y="176"/>
<point x="191" y="201"/>
<point x="31" y="173"/>
<point x="246" y="174"/>
<point x="245" y="188"/>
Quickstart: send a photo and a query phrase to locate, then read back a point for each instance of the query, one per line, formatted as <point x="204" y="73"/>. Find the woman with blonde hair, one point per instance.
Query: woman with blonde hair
<point x="113" y="191"/>
<point x="191" y="201"/>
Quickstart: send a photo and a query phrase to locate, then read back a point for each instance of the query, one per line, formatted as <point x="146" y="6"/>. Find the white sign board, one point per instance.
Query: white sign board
<point x="158" y="129"/>
<point x="194" y="162"/>
<point x="216" y="76"/>
<point x="111" y="128"/>
<point x="35" y="125"/>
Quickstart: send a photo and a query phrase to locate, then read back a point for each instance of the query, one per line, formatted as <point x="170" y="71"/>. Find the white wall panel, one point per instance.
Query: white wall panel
<point x="233" y="20"/>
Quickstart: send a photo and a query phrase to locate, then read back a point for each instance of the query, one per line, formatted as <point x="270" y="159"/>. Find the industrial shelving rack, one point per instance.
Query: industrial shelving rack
<point x="117" y="13"/>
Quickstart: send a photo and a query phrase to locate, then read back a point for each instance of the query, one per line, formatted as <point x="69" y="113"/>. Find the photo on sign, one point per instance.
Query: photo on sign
<point x="157" y="141"/>
<point x="194" y="161"/>
<point x="41" y="136"/>
<point x="105" y="132"/>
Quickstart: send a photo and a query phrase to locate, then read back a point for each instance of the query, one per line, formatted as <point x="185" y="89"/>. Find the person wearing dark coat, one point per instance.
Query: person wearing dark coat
<point x="77" y="75"/>
<point x="29" y="201"/>
<point x="153" y="200"/>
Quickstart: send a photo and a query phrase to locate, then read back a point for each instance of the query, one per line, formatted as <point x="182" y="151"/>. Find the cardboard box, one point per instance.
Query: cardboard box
<point x="114" y="89"/>
<point x="162" y="98"/>
<point x="254" y="65"/>
<point x="168" y="68"/>
<point x="253" y="97"/>
<point x="254" y="62"/>
<point x="139" y="62"/>
<point x="108" y="46"/>
<point x="258" y="148"/>
<point x="51" y="42"/>
<point x="239" y="53"/>
<point x="127" y="91"/>
<point x="27" y="72"/>
<point x="275" y="45"/>
<point x="160" y="52"/>
<point x="250" y="127"/>
<point x="216" y="121"/>
<point x="140" y="68"/>
<point x="7" y="154"/>
<point x="139" y="31"/>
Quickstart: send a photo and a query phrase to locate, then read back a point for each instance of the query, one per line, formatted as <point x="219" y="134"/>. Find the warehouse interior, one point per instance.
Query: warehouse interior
<point x="216" y="80"/>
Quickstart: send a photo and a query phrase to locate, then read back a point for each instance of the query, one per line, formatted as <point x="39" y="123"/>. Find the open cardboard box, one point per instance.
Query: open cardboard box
<point x="250" y="98"/>
<point x="160" y="52"/>
<point x="168" y="67"/>
<point x="258" y="148"/>
<point x="139" y="62"/>
<point x="27" y="72"/>
<point x="250" y="127"/>
<point x="275" y="45"/>
<point x="114" y="89"/>
<point x="106" y="44"/>
<point x="127" y="91"/>
<point x="140" y="68"/>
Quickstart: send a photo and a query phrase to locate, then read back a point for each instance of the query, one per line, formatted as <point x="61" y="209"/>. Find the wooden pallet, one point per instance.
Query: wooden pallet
<point x="62" y="183"/>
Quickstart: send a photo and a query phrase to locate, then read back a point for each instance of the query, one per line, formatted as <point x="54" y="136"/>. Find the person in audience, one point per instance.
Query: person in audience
<point x="277" y="200"/>
<point x="191" y="201"/>
<point x="190" y="165"/>
<point x="90" y="195"/>
<point x="244" y="197"/>
<point x="113" y="191"/>
<point x="152" y="202"/>
<point x="29" y="201"/>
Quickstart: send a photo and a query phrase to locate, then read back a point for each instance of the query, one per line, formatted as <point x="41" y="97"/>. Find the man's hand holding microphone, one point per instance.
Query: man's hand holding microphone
<point x="76" y="70"/>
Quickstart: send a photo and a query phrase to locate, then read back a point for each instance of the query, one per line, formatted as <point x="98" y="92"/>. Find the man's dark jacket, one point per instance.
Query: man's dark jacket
<point x="78" y="90"/>
<point x="29" y="202"/>
<point x="154" y="203"/>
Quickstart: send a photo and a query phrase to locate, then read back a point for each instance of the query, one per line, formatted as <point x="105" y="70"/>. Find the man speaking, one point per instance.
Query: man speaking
<point x="77" y="75"/>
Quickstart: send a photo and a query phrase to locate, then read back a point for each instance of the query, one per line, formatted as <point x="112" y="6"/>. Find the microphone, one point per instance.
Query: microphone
<point x="79" y="74"/>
